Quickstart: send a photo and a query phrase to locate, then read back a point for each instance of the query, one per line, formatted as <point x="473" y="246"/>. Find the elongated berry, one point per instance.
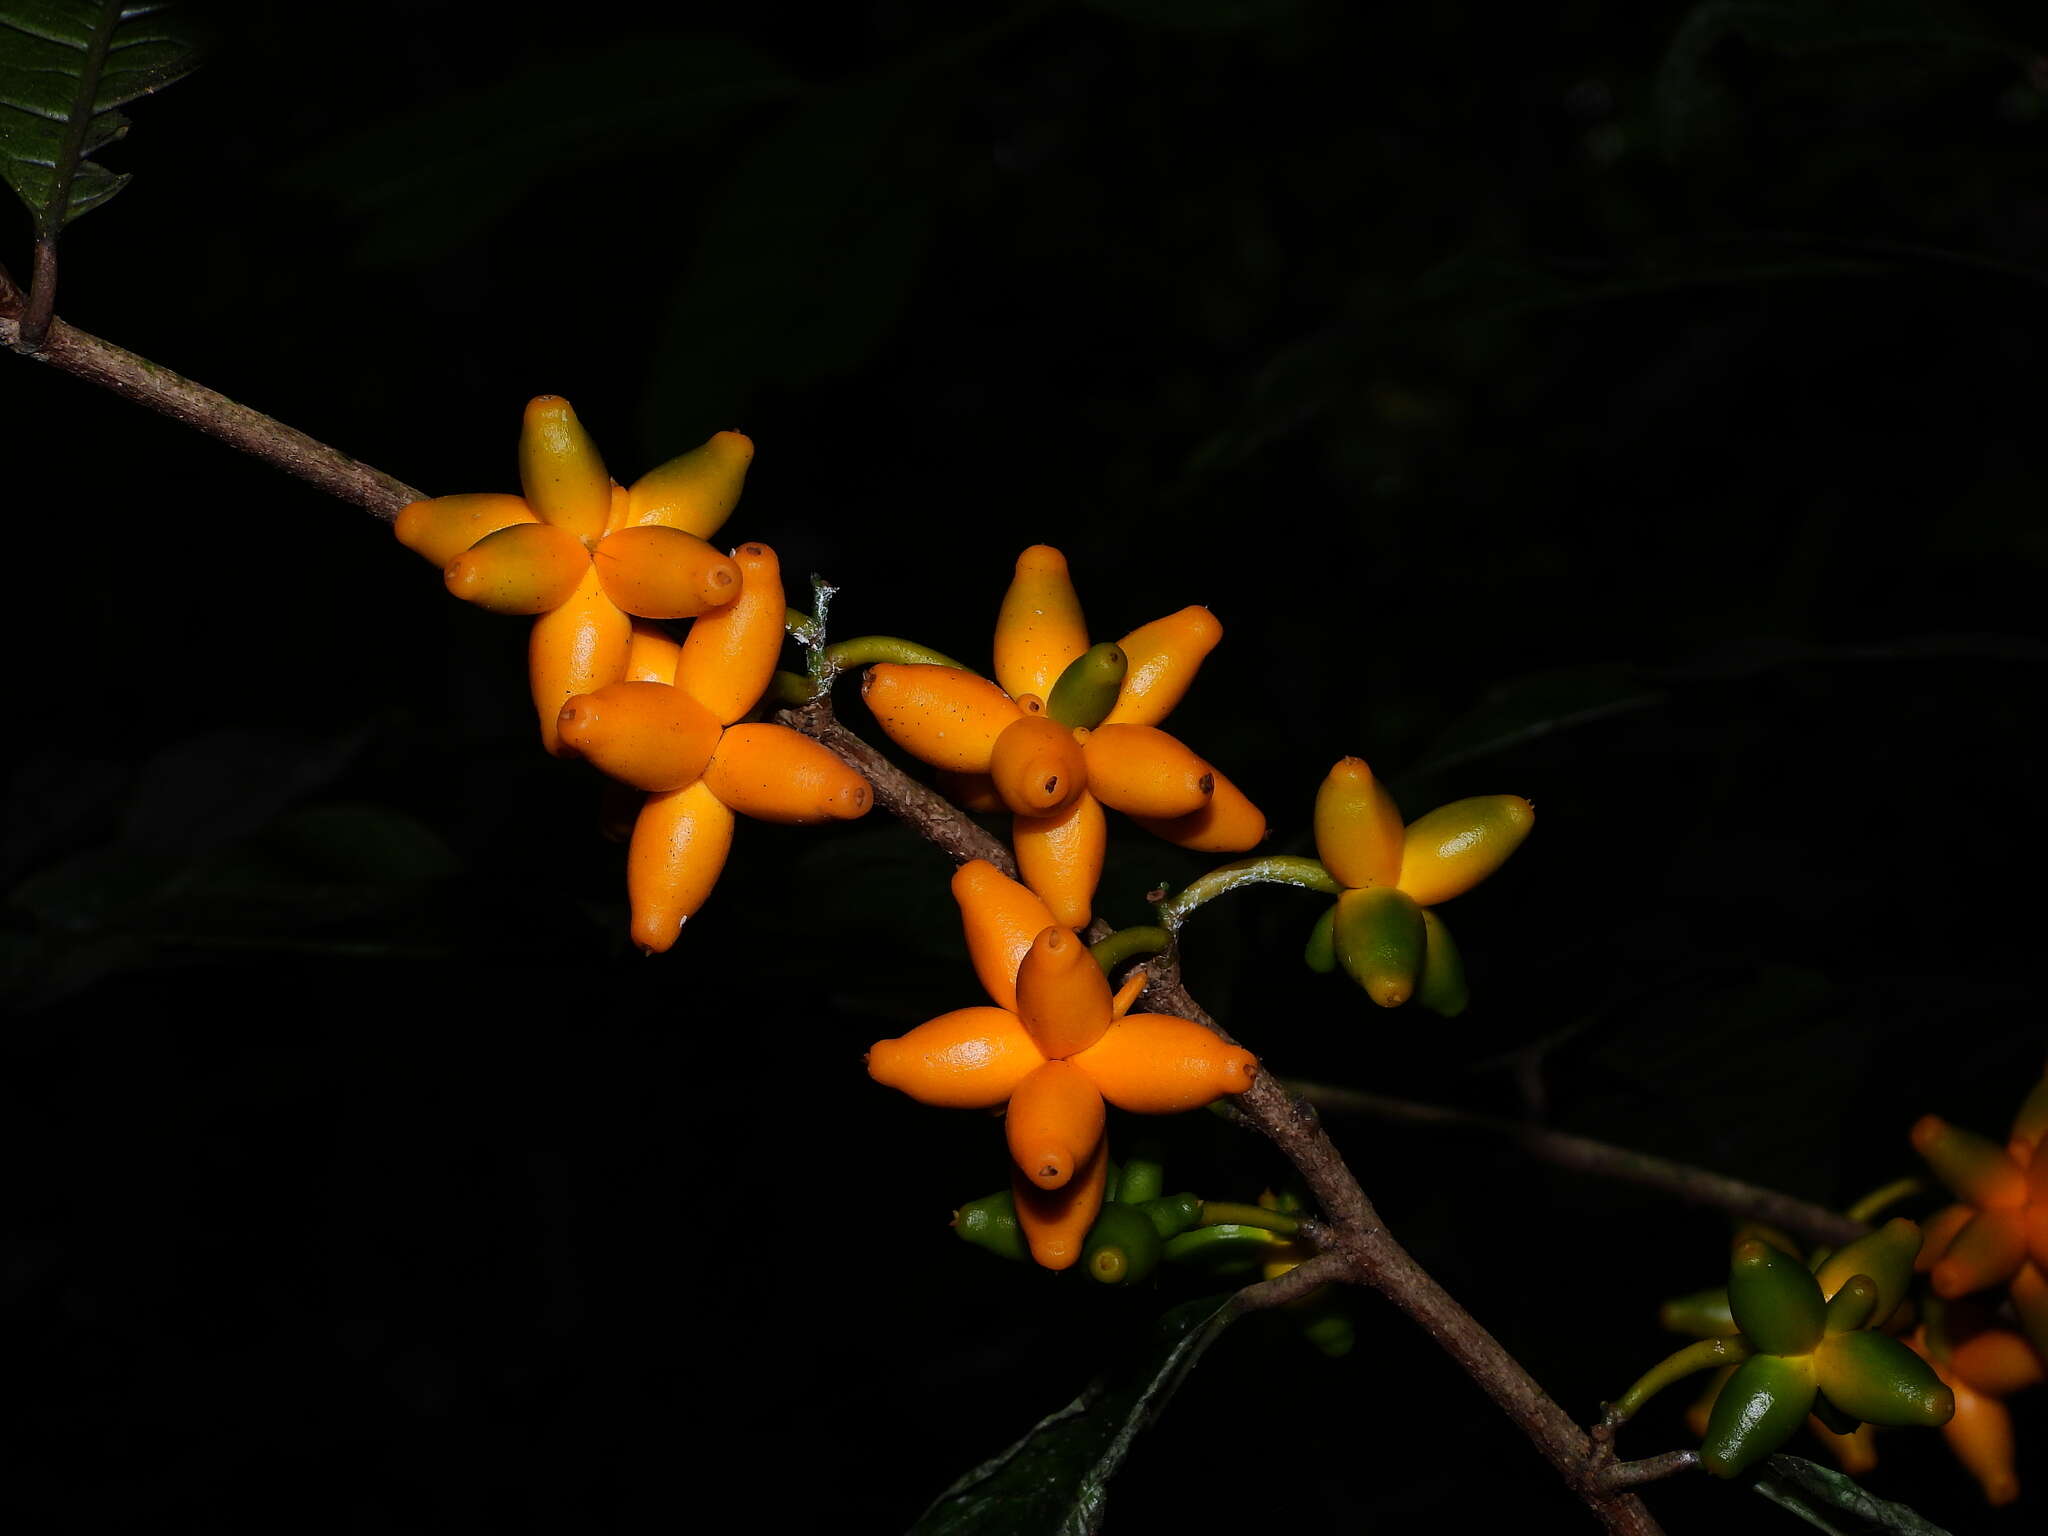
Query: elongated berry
<point x="560" y="470"/>
<point x="1039" y="630"/>
<point x="1454" y="847"/>
<point x="1358" y="827"/>
<point x="1062" y="995"/>
<point x="971" y="1058"/>
<point x="1156" y="1064"/>
<point x="648" y="735"/>
<point x="442" y="527"/>
<point x="944" y="716"/>
<point x="1053" y="1123"/>
<point x="772" y="773"/>
<point x="729" y="654"/>
<point x="663" y="573"/>
<point x="695" y="491"/>
<point x="1161" y="660"/>
<point x="527" y="568"/>
<point x="1775" y="1302"/>
<point x="1142" y="771"/>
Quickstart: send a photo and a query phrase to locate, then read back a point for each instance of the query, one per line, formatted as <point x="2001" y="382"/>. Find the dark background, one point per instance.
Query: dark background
<point x="1632" y="407"/>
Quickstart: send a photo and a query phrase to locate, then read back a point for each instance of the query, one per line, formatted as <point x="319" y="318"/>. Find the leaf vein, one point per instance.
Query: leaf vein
<point x="17" y="25"/>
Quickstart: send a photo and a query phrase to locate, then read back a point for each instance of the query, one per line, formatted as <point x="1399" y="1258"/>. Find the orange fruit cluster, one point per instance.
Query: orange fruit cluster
<point x="1054" y="764"/>
<point x="598" y="564"/>
<point x="1054" y="1048"/>
<point x="1382" y="930"/>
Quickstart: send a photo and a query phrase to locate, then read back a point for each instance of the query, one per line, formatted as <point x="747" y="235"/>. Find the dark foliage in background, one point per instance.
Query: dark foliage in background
<point x="1635" y="408"/>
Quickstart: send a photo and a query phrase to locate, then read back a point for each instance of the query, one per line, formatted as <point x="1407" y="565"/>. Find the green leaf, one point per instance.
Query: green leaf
<point x="1056" y="1479"/>
<point x="66" y="68"/>
<point x="1834" y="1502"/>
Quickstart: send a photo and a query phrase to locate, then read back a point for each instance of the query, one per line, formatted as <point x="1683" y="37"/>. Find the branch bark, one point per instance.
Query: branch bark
<point x="100" y="362"/>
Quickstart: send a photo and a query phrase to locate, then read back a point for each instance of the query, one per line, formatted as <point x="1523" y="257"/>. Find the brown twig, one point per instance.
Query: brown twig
<point x="40" y="309"/>
<point x="111" y="367"/>
<point x="1309" y="1275"/>
<point x="1696" y="1186"/>
<point x="935" y="818"/>
<point x="1615" y="1475"/>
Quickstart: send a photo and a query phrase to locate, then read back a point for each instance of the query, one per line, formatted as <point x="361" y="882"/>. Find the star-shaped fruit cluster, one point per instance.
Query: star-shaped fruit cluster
<point x="1382" y="930"/>
<point x="1054" y="1048"/>
<point x="1068" y="728"/>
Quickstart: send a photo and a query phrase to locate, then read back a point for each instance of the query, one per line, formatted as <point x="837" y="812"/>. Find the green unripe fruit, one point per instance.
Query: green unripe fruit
<point x="1380" y="942"/>
<point x="1086" y="691"/>
<point x="1853" y="1306"/>
<point x="1143" y="1180"/>
<point x="1885" y="1255"/>
<point x="1774" y="1300"/>
<point x="1441" y="988"/>
<point x="1876" y="1378"/>
<point x="991" y="1223"/>
<point x="1172" y="1215"/>
<point x="1321" y="953"/>
<point x="1764" y="1402"/>
<point x="1122" y="1247"/>
<point x="1702" y="1314"/>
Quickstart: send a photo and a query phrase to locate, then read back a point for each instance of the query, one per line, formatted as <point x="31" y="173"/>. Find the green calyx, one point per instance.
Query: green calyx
<point x="1086" y="691"/>
<point x="1764" y="1402"/>
<point x="1773" y="1300"/>
<point x="1380" y="941"/>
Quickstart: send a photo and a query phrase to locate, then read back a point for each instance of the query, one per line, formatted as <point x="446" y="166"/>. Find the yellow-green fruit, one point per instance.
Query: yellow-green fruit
<point x="1358" y="826"/>
<point x="1380" y="940"/>
<point x="528" y="568"/>
<point x="695" y="491"/>
<point x="1458" y="845"/>
<point x="1873" y="1377"/>
<point x="442" y="527"/>
<point x="1885" y="1255"/>
<point x="561" y="471"/>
